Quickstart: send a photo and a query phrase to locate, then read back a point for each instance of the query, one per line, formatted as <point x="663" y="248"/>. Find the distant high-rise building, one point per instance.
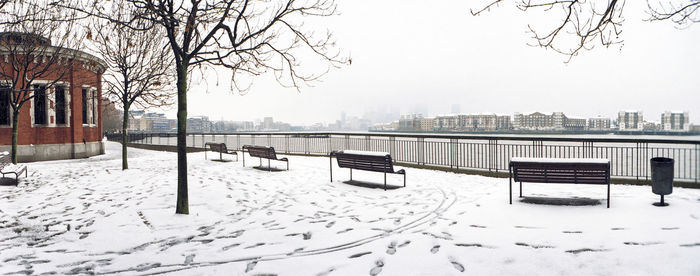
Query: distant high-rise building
<point x="268" y="123"/>
<point x="630" y="120"/>
<point x="198" y="124"/>
<point x="547" y="121"/>
<point x="410" y="122"/>
<point x="445" y="122"/>
<point x="675" y="121"/>
<point x="599" y="123"/>
<point x="483" y="122"/>
<point x="426" y="124"/>
<point x="534" y="121"/>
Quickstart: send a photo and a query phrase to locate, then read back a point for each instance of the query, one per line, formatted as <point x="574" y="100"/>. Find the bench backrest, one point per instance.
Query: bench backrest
<point x="217" y="147"/>
<point x="5" y="160"/>
<point x="260" y="151"/>
<point x="375" y="163"/>
<point x="583" y="173"/>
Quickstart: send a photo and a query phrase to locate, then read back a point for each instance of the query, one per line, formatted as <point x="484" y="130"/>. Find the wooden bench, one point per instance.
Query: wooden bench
<point x="220" y="148"/>
<point x="558" y="170"/>
<point x="263" y="152"/>
<point x="6" y="167"/>
<point x="366" y="161"/>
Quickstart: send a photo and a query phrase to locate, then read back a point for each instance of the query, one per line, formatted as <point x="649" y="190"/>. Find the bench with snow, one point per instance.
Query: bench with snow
<point x="366" y="161"/>
<point x="558" y="170"/>
<point x="263" y="152"/>
<point x="220" y="148"/>
<point x="6" y="167"/>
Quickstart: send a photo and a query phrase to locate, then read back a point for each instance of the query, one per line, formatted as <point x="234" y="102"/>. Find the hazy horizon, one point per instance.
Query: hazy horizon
<point x="413" y="57"/>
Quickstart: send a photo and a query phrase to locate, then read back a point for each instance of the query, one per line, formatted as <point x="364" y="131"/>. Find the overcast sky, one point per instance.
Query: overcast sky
<point x="429" y="55"/>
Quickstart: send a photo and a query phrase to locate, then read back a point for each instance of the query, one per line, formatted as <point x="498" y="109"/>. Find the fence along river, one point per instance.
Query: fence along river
<point x="629" y="156"/>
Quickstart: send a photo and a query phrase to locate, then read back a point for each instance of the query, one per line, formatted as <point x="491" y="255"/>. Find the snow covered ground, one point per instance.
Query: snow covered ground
<point x="88" y="216"/>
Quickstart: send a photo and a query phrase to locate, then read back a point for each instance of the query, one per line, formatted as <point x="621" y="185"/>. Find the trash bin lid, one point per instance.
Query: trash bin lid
<point x="662" y="160"/>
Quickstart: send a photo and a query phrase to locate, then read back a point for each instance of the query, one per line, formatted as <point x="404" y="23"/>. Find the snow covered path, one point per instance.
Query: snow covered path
<point x="90" y="217"/>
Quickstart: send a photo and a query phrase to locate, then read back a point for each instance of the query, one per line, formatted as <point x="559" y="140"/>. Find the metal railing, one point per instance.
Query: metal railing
<point x="629" y="157"/>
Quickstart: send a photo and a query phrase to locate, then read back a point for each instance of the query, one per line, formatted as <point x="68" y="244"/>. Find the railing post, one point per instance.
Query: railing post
<point x="330" y="144"/>
<point x="269" y="140"/>
<point x="306" y="144"/>
<point x="392" y="146"/>
<point x="286" y="143"/>
<point x="421" y="150"/>
<point x="697" y="162"/>
<point x="452" y="154"/>
<point x="238" y="142"/>
<point x="252" y="139"/>
<point x="367" y="143"/>
<point x="347" y="141"/>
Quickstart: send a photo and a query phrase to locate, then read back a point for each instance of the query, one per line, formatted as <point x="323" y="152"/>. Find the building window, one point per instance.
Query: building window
<point x="85" y="114"/>
<point x="60" y="93"/>
<point x="39" y="104"/>
<point x="94" y="107"/>
<point x="5" y="105"/>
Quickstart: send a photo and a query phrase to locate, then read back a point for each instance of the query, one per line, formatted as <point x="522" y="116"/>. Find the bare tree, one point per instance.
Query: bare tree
<point x="683" y="13"/>
<point x="36" y="54"/>
<point x="140" y="66"/>
<point x="580" y="25"/>
<point x="249" y="38"/>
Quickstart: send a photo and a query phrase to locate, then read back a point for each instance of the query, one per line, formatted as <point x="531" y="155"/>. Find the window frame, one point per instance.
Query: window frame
<point x="84" y="92"/>
<point x="44" y="105"/>
<point x="7" y="86"/>
<point x="65" y="104"/>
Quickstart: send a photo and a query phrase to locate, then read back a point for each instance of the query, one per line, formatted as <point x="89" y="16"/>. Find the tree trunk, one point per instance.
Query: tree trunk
<point x="125" y="125"/>
<point x="15" y="121"/>
<point x="182" y="201"/>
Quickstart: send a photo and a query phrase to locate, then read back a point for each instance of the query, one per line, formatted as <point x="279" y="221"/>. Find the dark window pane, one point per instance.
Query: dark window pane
<point x="60" y="105"/>
<point x="39" y="105"/>
<point x="4" y="105"/>
<point x="85" y="94"/>
<point x="94" y="107"/>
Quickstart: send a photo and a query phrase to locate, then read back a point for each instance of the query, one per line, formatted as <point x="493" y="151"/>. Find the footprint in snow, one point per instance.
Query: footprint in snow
<point x="392" y="248"/>
<point x="250" y="266"/>
<point x="435" y="249"/>
<point x="642" y="243"/>
<point x="379" y="264"/>
<point x="359" y="254"/>
<point x="458" y="266"/>
<point x="189" y="259"/>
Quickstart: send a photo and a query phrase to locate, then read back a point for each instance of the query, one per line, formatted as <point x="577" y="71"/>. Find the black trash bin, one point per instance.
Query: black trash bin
<point x="661" y="178"/>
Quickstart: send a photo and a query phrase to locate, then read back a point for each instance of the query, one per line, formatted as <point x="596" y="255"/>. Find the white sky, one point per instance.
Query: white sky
<point x="433" y="54"/>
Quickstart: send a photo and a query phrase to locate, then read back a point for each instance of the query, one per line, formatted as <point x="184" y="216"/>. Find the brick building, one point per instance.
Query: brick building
<point x="62" y="121"/>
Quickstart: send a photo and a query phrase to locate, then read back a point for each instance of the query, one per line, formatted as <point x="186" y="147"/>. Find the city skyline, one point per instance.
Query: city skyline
<point x="482" y="63"/>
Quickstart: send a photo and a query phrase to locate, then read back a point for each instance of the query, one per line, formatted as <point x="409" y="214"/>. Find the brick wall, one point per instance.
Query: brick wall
<point x="75" y="132"/>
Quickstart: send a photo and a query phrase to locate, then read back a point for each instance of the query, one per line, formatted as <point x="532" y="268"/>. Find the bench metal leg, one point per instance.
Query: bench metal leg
<point x="350" y="174"/>
<point x="608" y="195"/>
<point x="243" y="153"/>
<point x="205" y="153"/>
<point x="385" y="181"/>
<point x="510" y="185"/>
<point x="404" y="180"/>
<point x="521" y="189"/>
<point x="330" y="158"/>
<point x="287" y="164"/>
<point x="269" y="168"/>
